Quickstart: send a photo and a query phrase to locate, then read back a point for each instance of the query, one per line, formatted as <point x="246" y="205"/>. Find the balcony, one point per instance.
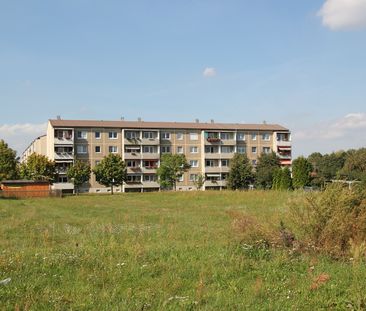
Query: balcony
<point x="213" y="183"/>
<point x="150" y="184"/>
<point x="64" y="141"/>
<point x="133" y="170"/>
<point x="64" y="156"/>
<point x="150" y="156"/>
<point x="212" y="169"/>
<point x="133" y="184"/>
<point x="149" y="169"/>
<point x="283" y="143"/>
<point x="132" y="155"/>
<point x="132" y="141"/>
<point x="150" y="141"/>
<point x="212" y="155"/>
<point x="63" y="186"/>
<point x="227" y="155"/>
<point x="284" y="156"/>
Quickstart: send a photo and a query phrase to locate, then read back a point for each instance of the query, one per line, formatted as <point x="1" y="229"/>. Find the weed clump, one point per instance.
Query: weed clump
<point x="332" y="222"/>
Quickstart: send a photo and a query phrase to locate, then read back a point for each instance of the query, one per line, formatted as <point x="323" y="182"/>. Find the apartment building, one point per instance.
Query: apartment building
<point x="208" y="147"/>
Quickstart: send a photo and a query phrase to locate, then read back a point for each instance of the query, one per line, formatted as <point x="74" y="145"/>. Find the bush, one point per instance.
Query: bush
<point x="333" y="221"/>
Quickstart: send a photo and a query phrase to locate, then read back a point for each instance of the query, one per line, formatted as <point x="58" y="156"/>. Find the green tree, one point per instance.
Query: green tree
<point x="199" y="181"/>
<point x="8" y="162"/>
<point x="268" y="163"/>
<point x="172" y="167"/>
<point x="355" y="166"/>
<point x="111" y="171"/>
<point x="38" y="167"/>
<point x="79" y="174"/>
<point x="241" y="172"/>
<point x="282" y="179"/>
<point x="301" y="170"/>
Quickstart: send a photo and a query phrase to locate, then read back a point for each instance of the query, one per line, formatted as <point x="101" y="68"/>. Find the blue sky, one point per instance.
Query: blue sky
<point x="297" y="63"/>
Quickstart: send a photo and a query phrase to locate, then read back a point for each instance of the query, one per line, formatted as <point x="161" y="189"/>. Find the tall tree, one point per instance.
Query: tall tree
<point x="301" y="170"/>
<point x="172" y="167"/>
<point x="268" y="163"/>
<point x="282" y="179"/>
<point x="38" y="167"/>
<point x="8" y="162"/>
<point x="111" y="171"/>
<point x="241" y="172"/>
<point x="355" y="166"/>
<point x="79" y="174"/>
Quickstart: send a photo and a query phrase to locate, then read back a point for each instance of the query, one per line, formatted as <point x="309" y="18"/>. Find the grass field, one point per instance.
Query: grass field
<point x="160" y="251"/>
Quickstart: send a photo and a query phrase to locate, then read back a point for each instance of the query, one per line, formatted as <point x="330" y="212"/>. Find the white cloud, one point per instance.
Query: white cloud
<point x="19" y="136"/>
<point x="209" y="72"/>
<point x="343" y="133"/>
<point x="343" y="14"/>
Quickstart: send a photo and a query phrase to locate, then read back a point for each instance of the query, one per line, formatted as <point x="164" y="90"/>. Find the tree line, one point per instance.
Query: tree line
<point x="315" y="170"/>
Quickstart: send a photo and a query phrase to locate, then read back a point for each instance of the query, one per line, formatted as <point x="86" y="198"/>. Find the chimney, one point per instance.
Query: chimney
<point x="122" y="118"/>
<point x="264" y="122"/>
<point x="58" y="117"/>
<point x="139" y="119"/>
<point x="212" y="121"/>
<point x="197" y="120"/>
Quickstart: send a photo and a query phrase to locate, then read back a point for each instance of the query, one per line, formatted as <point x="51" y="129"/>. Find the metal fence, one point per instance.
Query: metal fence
<point x="18" y="194"/>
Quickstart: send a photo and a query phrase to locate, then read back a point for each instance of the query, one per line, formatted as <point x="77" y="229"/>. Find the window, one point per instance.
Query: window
<point x="80" y="149"/>
<point x="181" y="178"/>
<point x="241" y="149"/>
<point x="132" y="163"/>
<point x="254" y="162"/>
<point x="149" y="149"/>
<point x="179" y="149"/>
<point x="266" y="136"/>
<point x="97" y="162"/>
<point x="150" y="164"/>
<point x="149" y="135"/>
<point x="112" y="135"/>
<point x="266" y="149"/>
<point x="132" y="135"/>
<point x="254" y="136"/>
<point x="97" y="149"/>
<point x="193" y="163"/>
<point x="112" y="149"/>
<point x="226" y="136"/>
<point x="193" y="177"/>
<point x="193" y="136"/>
<point x="224" y="163"/>
<point x="212" y="163"/>
<point x="132" y="149"/>
<point x="82" y="134"/>
<point x="179" y="136"/>
<point x="254" y="149"/>
<point x="227" y="149"/>
<point x="211" y="149"/>
<point x="97" y="135"/>
<point x="165" y="135"/>
<point x="134" y="178"/>
<point x="165" y="149"/>
<point x="193" y="149"/>
<point x="240" y="136"/>
<point x="149" y="178"/>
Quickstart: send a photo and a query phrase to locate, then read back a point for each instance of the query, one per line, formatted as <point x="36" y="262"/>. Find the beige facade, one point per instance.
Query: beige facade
<point x="208" y="148"/>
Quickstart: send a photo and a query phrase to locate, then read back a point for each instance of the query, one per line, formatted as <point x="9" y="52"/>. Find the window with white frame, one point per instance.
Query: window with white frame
<point x="134" y="178"/>
<point x="81" y="149"/>
<point x="241" y="149"/>
<point x="149" y="177"/>
<point x="179" y="135"/>
<point x="112" y="149"/>
<point x="266" y="149"/>
<point x="82" y="134"/>
<point x="193" y="149"/>
<point x="181" y="178"/>
<point x="193" y="136"/>
<point x="132" y="163"/>
<point x="254" y="149"/>
<point x="97" y="149"/>
<point x="165" y="149"/>
<point x="193" y="177"/>
<point x="149" y="135"/>
<point x="165" y="135"/>
<point x="113" y="135"/>
<point x="226" y="135"/>
<point x="180" y="149"/>
<point x="132" y="134"/>
<point x="266" y="136"/>
<point x="97" y="135"/>
<point x="224" y="163"/>
<point x="227" y="149"/>
<point x="254" y="136"/>
<point x="240" y="136"/>
<point x="193" y="163"/>
<point x="149" y="149"/>
<point x="97" y="162"/>
<point x="132" y="149"/>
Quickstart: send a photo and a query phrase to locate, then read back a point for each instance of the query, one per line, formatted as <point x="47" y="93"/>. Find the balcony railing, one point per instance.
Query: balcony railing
<point x="63" y="141"/>
<point x="64" y="156"/>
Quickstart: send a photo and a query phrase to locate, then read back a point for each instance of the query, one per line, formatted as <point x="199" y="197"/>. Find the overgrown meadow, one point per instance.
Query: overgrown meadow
<point x="163" y="251"/>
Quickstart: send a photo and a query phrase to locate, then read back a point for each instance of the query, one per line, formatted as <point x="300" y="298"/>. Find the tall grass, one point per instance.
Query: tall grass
<point x="160" y="251"/>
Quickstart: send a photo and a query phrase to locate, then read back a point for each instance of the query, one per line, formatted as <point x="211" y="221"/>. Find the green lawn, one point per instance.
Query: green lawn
<point x="159" y="251"/>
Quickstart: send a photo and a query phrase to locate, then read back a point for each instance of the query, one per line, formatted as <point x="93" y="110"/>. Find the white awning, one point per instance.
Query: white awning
<point x="213" y="175"/>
